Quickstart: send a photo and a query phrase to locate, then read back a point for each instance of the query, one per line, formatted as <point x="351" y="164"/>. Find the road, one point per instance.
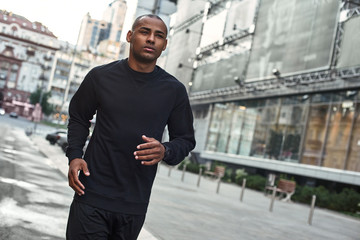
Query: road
<point x="34" y="195"/>
<point x="34" y="192"/>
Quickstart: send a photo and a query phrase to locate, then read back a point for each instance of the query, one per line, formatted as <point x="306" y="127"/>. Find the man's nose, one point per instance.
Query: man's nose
<point x="151" y="38"/>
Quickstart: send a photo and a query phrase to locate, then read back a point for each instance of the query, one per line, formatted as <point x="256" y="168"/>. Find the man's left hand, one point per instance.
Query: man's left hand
<point x="151" y="152"/>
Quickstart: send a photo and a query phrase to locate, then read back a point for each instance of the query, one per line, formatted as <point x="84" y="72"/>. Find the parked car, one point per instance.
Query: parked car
<point x="53" y="137"/>
<point x="13" y="115"/>
<point x="2" y="111"/>
<point x="62" y="141"/>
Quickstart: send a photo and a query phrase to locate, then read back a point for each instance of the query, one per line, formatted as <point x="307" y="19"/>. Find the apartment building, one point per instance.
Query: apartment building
<point x="27" y="51"/>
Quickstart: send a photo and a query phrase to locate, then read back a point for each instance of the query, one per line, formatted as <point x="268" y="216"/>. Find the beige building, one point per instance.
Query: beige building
<point x="27" y="51"/>
<point x="92" y="32"/>
<point x="103" y="36"/>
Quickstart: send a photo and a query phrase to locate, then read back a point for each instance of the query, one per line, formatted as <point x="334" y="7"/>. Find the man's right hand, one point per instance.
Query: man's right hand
<point x="75" y="166"/>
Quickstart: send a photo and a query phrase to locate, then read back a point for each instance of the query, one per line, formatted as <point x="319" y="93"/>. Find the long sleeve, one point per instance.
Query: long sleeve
<point x="181" y="130"/>
<point x="81" y="110"/>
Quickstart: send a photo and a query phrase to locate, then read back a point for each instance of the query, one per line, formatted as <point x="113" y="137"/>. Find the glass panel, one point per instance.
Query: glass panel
<point x="13" y="75"/>
<point x="315" y="134"/>
<point x="236" y="128"/>
<point x="274" y="142"/>
<point x="10" y="84"/>
<point x="338" y="136"/>
<point x="274" y="134"/>
<point x="2" y="83"/>
<point x="293" y="100"/>
<point x="247" y="133"/>
<point x="292" y="120"/>
<point x="225" y="126"/>
<point x="321" y="97"/>
<point x="353" y="163"/>
<point x="272" y="101"/>
<point x="214" y="128"/>
<point x="260" y="134"/>
<point x="4" y="67"/>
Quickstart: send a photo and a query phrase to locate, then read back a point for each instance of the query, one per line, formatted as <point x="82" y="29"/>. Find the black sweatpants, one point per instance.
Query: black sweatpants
<point x="87" y="222"/>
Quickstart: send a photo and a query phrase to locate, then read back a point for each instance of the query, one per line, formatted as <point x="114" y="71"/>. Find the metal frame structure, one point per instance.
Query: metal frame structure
<point x="294" y="84"/>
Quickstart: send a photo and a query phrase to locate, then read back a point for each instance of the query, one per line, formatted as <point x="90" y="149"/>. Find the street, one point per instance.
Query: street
<point x="34" y="200"/>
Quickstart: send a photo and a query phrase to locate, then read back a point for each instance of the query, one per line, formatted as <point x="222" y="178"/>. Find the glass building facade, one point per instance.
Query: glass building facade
<point x="273" y="84"/>
<point x="320" y="129"/>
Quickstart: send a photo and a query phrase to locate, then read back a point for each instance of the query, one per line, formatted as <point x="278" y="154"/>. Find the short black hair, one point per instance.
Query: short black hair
<point x="137" y="20"/>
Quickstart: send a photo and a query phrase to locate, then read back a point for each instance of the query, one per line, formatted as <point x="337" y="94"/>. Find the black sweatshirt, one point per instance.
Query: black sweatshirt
<point x="128" y="104"/>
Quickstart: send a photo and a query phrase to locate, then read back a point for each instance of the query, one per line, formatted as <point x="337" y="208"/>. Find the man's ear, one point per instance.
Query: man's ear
<point x="165" y="45"/>
<point x="128" y="36"/>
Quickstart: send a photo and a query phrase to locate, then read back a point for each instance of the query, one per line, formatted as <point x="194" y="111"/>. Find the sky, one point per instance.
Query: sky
<point x="62" y="17"/>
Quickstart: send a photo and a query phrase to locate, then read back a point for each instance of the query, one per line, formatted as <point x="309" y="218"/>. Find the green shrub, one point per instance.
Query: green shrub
<point x="192" y="167"/>
<point x="303" y="194"/>
<point x="228" y="175"/>
<point x="323" y="197"/>
<point x="346" y="201"/>
<point x="240" y="174"/>
<point x="256" y="182"/>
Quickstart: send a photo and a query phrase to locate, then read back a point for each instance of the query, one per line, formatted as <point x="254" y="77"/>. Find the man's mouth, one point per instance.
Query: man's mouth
<point x="149" y="49"/>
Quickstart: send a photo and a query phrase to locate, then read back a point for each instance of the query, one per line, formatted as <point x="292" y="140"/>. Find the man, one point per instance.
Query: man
<point x="134" y="100"/>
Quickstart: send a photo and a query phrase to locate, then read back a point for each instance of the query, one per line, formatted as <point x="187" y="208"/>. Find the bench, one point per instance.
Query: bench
<point x="218" y="172"/>
<point x="284" y="187"/>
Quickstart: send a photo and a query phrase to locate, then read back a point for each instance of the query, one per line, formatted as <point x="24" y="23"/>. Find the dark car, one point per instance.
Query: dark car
<point x="13" y="115"/>
<point x="55" y="136"/>
<point x="62" y="141"/>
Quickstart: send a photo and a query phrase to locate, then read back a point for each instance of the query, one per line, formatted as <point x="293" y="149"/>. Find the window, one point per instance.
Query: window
<point x="315" y="134"/>
<point x="353" y="163"/>
<point x="13" y="73"/>
<point x="339" y="131"/>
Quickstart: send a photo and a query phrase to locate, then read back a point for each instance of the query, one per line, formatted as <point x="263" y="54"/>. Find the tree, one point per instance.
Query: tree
<point x="35" y="97"/>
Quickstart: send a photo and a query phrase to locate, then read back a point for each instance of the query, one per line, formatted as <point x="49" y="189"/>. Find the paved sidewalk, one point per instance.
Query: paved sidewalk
<point x="181" y="210"/>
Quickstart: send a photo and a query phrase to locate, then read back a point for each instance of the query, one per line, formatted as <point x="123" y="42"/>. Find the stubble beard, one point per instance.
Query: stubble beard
<point x="143" y="58"/>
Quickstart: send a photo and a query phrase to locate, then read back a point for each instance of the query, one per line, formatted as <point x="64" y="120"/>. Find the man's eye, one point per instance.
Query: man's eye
<point x="160" y="36"/>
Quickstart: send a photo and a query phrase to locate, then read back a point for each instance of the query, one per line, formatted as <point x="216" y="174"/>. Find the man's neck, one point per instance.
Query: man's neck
<point x="141" y="67"/>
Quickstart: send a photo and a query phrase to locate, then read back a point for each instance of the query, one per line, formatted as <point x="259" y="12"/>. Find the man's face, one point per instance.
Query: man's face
<point x="147" y="40"/>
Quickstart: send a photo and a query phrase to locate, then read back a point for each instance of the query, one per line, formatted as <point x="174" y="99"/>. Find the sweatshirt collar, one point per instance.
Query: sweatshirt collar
<point x="149" y="75"/>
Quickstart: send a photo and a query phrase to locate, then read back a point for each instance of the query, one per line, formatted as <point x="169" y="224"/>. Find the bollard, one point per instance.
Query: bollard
<point x="218" y="186"/>
<point x="198" y="182"/>
<point x="312" y="209"/>
<point x="272" y="199"/>
<point x="183" y="172"/>
<point x="169" y="173"/>
<point x="242" y="189"/>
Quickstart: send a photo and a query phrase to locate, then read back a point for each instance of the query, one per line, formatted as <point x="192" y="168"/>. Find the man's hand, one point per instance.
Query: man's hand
<point x="150" y="152"/>
<point x="75" y="166"/>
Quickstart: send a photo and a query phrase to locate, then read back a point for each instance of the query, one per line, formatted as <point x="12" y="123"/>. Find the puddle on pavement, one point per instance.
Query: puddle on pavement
<point x="34" y="216"/>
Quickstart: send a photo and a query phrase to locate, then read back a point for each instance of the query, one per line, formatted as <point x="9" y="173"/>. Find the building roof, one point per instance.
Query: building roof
<point x="9" y="18"/>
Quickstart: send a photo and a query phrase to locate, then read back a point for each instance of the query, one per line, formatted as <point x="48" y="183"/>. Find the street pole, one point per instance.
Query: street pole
<point x="44" y="67"/>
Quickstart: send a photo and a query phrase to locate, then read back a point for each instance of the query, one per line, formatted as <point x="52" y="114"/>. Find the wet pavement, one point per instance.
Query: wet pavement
<point x="34" y="196"/>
